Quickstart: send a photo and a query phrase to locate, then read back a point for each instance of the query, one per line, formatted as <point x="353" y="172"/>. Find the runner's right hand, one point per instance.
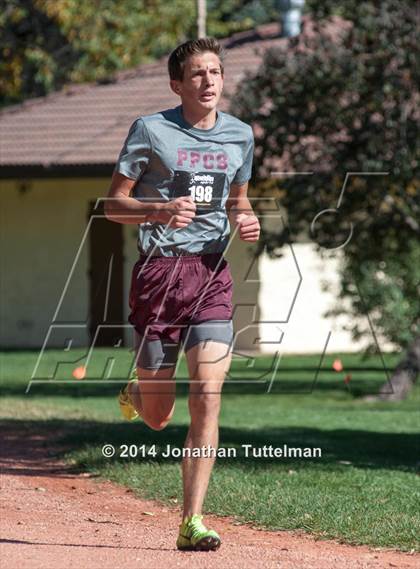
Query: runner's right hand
<point x="175" y="213"/>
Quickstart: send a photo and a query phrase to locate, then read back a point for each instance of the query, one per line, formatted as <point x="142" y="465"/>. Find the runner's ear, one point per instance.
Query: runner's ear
<point x="174" y="86"/>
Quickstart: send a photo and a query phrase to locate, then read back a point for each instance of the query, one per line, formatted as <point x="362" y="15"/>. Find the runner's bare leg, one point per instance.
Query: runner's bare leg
<point x="153" y="396"/>
<point x="206" y="382"/>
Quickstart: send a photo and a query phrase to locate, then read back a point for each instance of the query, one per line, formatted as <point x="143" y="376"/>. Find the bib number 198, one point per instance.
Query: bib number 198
<point x="205" y="188"/>
<point x="201" y="193"/>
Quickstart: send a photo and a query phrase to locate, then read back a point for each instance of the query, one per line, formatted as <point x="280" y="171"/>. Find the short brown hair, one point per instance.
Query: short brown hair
<point x="179" y="56"/>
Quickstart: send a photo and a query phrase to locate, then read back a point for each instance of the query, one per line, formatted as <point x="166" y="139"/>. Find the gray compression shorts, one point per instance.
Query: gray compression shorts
<point x="157" y="354"/>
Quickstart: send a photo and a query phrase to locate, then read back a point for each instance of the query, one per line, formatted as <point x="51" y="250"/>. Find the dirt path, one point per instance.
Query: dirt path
<point x="53" y="519"/>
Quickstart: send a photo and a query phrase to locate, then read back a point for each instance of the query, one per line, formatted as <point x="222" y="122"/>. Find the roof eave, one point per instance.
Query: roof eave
<point x="25" y="171"/>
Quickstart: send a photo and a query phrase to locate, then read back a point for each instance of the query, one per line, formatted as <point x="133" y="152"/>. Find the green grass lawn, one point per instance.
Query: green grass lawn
<point x="363" y="489"/>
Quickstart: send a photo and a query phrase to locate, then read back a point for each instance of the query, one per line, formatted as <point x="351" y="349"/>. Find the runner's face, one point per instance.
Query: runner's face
<point x="202" y="84"/>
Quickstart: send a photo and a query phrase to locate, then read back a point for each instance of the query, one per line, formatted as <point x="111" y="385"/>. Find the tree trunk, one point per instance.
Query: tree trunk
<point x="404" y="376"/>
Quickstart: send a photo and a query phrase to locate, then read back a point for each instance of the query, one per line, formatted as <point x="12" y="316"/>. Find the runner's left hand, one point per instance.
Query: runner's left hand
<point x="249" y="227"/>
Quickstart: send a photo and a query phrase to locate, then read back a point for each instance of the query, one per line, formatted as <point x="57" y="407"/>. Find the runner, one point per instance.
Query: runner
<point x="182" y="176"/>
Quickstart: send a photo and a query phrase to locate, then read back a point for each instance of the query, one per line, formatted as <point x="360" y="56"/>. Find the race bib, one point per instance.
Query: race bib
<point x="205" y="188"/>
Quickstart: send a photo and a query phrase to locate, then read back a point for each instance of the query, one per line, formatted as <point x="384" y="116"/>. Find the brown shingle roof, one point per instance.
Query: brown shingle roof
<point x="86" y="124"/>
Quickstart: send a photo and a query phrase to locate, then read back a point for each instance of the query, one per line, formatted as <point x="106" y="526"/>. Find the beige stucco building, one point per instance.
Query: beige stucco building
<point x="47" y="270"/>
<point x="65" y="270"/>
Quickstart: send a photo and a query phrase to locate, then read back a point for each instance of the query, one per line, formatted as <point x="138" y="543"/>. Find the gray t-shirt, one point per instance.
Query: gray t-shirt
<point x="170" y="158"/>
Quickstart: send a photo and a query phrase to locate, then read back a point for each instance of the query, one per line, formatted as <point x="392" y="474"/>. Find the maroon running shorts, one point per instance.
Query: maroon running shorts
<point x="171" y="296"/>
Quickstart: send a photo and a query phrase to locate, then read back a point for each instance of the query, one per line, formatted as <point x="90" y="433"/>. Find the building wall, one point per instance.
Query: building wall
<point x="246" y="286"/>
<point x="43" y="233"/>
<point x="44" y="264"/>
<point x="293" y="305"/>
<point x="42" y="228"/>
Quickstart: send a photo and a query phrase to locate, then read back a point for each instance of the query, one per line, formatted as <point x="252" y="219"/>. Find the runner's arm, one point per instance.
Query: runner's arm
<point x="121" y="207"/>
<point x="240" y="213"/>
<point x="238" y="200"/>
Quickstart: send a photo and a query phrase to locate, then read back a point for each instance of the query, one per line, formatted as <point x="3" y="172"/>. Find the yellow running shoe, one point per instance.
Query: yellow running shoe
<point x="127" y="408"/>
<point x="194" y="536"/>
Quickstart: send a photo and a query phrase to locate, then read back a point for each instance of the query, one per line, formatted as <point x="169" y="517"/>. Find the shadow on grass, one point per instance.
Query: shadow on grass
<point x="32" y="443"/>
<point x="286" y="385"/>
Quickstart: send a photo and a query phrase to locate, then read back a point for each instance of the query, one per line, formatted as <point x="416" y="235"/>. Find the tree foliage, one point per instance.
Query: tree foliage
<point x="45" y="44"/>
<point x="35" y="55"/>
<point x="342" y="98"/>
<point x="225" y="17"/>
